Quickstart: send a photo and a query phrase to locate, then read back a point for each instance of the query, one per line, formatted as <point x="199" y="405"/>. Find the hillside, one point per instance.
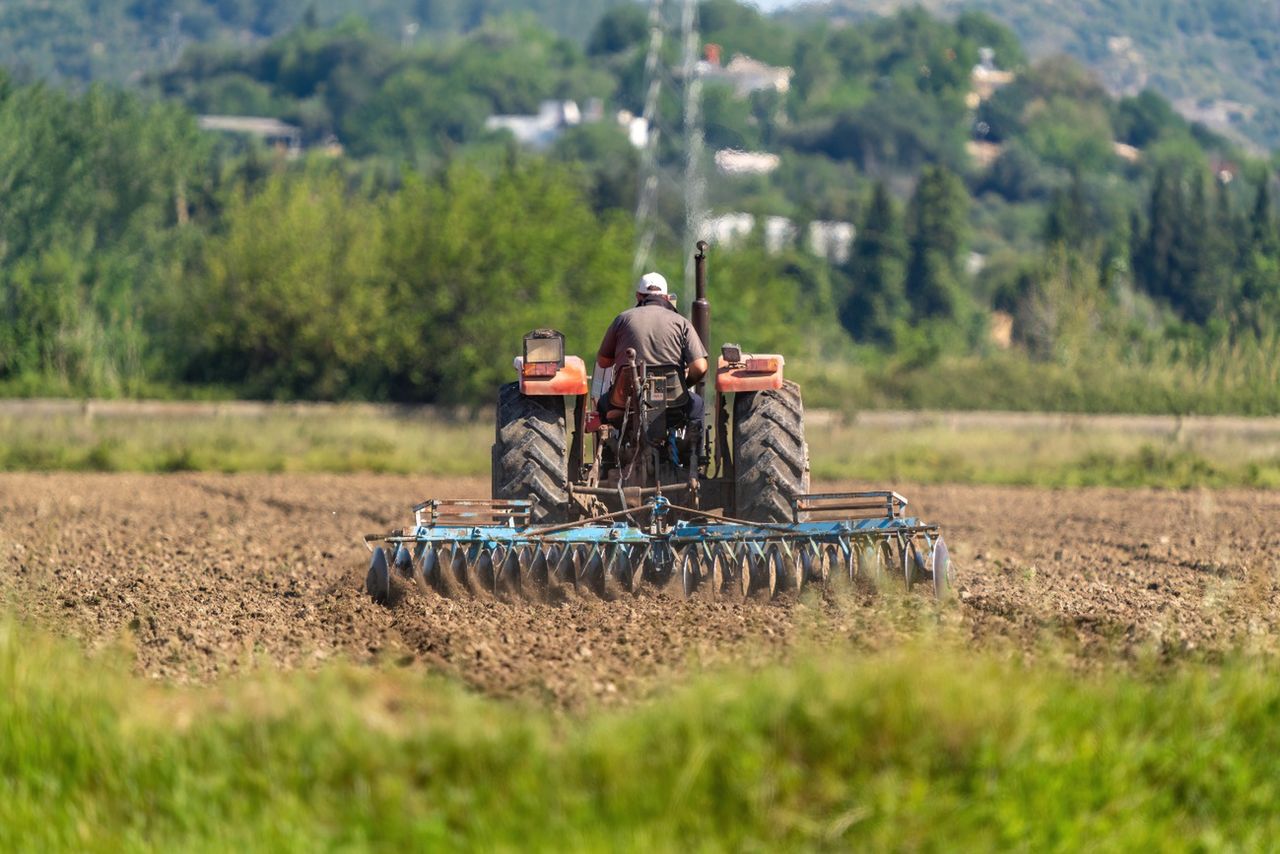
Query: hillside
<point x="119" y="40"/>
<point x="1218" y="61"/>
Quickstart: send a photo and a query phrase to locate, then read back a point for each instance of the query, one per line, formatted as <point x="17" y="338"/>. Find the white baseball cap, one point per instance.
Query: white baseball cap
<point x="652" y="283"/>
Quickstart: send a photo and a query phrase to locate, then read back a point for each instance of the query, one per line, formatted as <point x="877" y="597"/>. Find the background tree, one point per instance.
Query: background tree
<point x="936" y="223"/>
<point x="877" y="301"/>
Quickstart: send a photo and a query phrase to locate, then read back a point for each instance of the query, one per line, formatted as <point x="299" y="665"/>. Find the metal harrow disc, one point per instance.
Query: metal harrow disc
<point x="785" y="572"/>
<point x="727" y="571"/>
<point x="812" y="568"/>
<point x="870" y="565"/>
<point x="761" y="576"/>
<point x="590" y="572"/>
<point x="459" y="578"/>
<point x="507" y="579"/>
<point x="403" y="562"/>
<point x="378" y="580"/>
<point x="623" y="569"/>
<point x="688" y="565"/>
<point x="659" y="565"/>
<point x="428" y="570"/>
<point x="534" y="570"/>
<point x="483" y="577"/>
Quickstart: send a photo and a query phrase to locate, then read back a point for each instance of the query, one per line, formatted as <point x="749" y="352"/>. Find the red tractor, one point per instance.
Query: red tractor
<point x="574" y="465"/>
<point x="650" y="493"/>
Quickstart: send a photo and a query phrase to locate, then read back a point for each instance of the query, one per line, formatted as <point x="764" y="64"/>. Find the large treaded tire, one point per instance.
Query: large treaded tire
<point x="770" y="456"/>
<point x="531" y="453"/>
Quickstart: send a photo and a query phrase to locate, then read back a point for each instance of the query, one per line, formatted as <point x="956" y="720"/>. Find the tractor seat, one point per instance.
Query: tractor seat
<point x="663" y="386"/>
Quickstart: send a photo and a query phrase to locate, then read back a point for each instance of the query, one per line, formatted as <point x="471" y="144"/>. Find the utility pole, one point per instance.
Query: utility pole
<point x="694" y="181"/>
<point x="687" y="141"/>
<point x="648" y="196"/>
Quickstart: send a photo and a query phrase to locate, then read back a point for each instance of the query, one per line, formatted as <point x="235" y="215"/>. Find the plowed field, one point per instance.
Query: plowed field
<point x="200" y="576"/>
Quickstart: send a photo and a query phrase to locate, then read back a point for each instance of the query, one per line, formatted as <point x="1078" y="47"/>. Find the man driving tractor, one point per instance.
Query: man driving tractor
<point x="660" y="335"/>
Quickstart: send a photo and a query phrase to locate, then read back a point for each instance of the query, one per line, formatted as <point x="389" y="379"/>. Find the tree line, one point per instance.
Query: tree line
<point x="141" y="256"/>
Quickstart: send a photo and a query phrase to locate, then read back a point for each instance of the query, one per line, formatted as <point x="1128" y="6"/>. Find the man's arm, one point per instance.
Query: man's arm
<point x="695" y="355"/>
<point x="605" y="357"/>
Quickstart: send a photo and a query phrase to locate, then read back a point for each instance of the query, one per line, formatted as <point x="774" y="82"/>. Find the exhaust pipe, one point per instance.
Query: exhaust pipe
<point x="700" y="315"/>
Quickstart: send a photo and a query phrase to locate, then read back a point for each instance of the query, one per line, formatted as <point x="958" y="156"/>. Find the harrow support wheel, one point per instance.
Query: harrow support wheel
<point x="942" y="579"/>
<point x="530" y="454"/>
<point x="770" y="455"/>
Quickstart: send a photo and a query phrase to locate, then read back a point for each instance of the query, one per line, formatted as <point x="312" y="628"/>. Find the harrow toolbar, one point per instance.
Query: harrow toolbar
<point x="488" y="547"/>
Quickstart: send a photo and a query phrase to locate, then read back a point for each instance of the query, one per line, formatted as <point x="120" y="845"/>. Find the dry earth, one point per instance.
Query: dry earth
<point x="198" y="576"/>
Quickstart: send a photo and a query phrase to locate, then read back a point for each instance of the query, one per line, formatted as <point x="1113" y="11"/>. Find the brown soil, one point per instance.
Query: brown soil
<point x="204" y="575"/>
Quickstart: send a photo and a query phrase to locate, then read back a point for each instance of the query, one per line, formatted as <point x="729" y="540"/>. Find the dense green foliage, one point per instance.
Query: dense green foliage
<point x="418" y="294"/>
<point x="378" y="99"/>
<point x="1219" y="59"/>
<point x="94" y="188"/>
<point x="919" y="749"/>
<point x="138" y="255"/>
<point x="117" y="40"/>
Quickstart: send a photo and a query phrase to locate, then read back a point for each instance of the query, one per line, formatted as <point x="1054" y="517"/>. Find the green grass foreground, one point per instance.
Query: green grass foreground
<point x="914" y="749"/>
<point x="343" y="440"/>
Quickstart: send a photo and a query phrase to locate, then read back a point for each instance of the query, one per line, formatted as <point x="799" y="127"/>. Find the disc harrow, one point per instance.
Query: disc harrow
<point x="489" y="548"/>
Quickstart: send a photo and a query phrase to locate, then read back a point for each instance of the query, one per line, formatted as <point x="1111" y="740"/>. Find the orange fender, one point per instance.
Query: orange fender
<point x="754" y="373"/>
<point x="571" y="379"/>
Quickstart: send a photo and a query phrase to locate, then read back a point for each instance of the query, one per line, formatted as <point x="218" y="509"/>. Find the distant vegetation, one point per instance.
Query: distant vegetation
<point x="140" y="256"/>
<point x="443" y="442"/>
<point x="1219" y="59"/>
<point x="118" y="40"/>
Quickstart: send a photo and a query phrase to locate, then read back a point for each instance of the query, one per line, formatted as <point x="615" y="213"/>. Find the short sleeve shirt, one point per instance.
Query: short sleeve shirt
<point x="660" y="336"/>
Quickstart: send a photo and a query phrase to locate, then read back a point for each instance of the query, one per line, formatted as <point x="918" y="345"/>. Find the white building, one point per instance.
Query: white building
<point x="779" y="233"/>
<point x="274" y="132"/>
<point x="636" y="128"/>
<point x="727" y="230"/>
<point x="542" y="129"/>
<point x="831" y="239"/>
<point x="747" y="75"/>
<point x="733" y="162"/>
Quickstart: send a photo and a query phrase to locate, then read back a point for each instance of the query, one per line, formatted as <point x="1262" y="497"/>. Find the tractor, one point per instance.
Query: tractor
<point x="552" y="446"/>
<point x="607" y="500"/>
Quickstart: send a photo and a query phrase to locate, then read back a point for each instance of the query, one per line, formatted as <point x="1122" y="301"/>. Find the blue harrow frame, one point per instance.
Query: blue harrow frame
<point x="488" y="547"/>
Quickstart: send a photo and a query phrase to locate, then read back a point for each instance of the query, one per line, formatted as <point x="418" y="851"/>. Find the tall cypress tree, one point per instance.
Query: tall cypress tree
<point x="1262" y="227"/>
<point x="1067" y="221"/>
<point x="936" y="224"/>
<point x="1260" y="278"/>
<point x="877" y="268"/>
<point x="1190" y="285"/>
<point x="1152" y="265"/>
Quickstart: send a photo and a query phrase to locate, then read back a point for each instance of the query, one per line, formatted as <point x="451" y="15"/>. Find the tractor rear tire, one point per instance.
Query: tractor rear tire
<point x="530" y="455"/>
<point x="770" y="456"/>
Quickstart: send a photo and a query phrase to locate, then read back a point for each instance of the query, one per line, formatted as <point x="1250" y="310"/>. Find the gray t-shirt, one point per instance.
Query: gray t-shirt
<point x="660" y="336"/>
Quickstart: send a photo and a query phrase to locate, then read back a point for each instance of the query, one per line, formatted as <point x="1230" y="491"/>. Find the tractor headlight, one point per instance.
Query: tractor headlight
<point x="543" y="352"/>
